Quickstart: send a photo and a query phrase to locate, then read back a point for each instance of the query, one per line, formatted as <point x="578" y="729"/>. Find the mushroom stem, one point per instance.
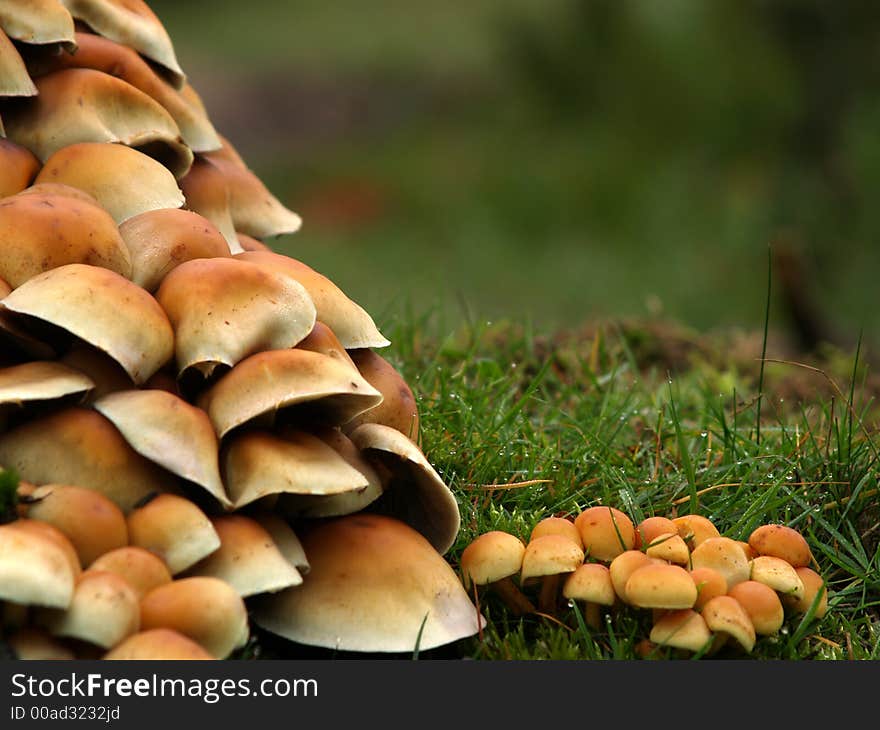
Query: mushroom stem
<point x="592" y="615"/>
<point x="549" y="594"/>
<point x="513" y="597"/>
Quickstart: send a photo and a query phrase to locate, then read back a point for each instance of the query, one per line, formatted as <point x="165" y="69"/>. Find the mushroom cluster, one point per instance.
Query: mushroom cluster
<point x="703" y="589"/>
<point x="206" y="435"/>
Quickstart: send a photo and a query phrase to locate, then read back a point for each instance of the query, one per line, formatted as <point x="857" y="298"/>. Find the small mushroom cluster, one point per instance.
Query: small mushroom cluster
<point x="703" y="589"/>
<point x="206" y="434"/>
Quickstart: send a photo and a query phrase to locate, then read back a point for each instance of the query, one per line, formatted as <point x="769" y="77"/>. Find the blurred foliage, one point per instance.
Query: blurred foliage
<point x="565" y="159"/>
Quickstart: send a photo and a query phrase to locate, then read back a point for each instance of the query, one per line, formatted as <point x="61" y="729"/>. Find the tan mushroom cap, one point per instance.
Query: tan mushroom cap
<point x="102" y="54"/>
<point x="14" y="78"/>
<point x="375" y="585"/>
<point x="777" y="574"/>
<point x="695" y="529"/>
<point x="57" y="188"/>
<point x="102" y="308"/>
<point x="132" y="23"/>
<point x="247" y="559"/>
<point x="550" y="555"/>
<point x="590" y="582"/>
<point x="80" y="446"/>
<point x="42" y="230"/>
<point x="661" y="586"/>
<point x="651" y="527"/>
<point x="264" y="383"/>
<point x="103" y="611"/>
<point x="157" y="644"/>
<point x="167" y="430"/>
<point x="557" y="526"/>
<point x="682" y="629"/>
<point x="160" y="240"/>
<point x="140" y="568"/>
<point x="223" y="310"/>
<point x="260" y="463"/>
<point x="724" y="555"/>
<point x="623" y="566"/>
<point x="41" y="380"/>
<point x="93" y="524"/>
<point x="490" y="557"/>
<point x="49" y="532"/>
<point x="32" y="644"/>
<point x="321" y="339"/>
<point x="204" y="609"/>
<point x="814" y="586"/>
<point x="351" y="324"/>
<point x="762" y="604"/>
<point x="710" y="583"/>
<point x="669" y="546"/>
<point x="783" y="542"/>
<point x="606" y="532"/>
<point x="285" y="539"/>
<point x="18" y="168"/>
<point x="124" y="181"/>
<point x="398" y="408"/>
<point x="207" y="194"/>
<point x="34" y="569"/>
<point x="175" y="529"/>
<point x="254" y="210"/>
<point x="38" y="22"/>
<point x="414" y="492"/>
<point x="725" y="615"/>
<point x="343" y="503"/>
<point x="84" y="105"/>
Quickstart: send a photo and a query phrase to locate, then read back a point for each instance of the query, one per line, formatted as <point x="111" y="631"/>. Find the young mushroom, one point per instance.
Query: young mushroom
<point x="549" y="558"/>
<point x="492" y="559"/>
<point x="590" y="584"/>
<point x="606" y="532"/>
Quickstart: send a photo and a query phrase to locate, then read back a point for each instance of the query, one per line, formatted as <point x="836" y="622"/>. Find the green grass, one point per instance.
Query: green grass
<point x="522" y="427"/>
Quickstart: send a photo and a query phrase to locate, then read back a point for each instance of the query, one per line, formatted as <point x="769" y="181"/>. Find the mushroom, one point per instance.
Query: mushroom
<point x="34" y="569"/>
<point x="724" y="555"/>
<point x="39" y="381"/>
<point x="623" y="566"/>
<point x="762" y="604"/>
<point x="45" y="531"/>
<point x="158" y="644"/>
<point x="606" y="532"/>
<point x="591" y="584"/>
<point x="682" y="628"/>
<point x="548" y="558"/>
<point x="778" y="574"/>
<point x="815" y="591"/>
<point x="18" y="167"/>
<point x="726" y="617"/>
<point x="106" y="375"/>
<point x="375" y="585"/>
<point x="175" y="529"/>
<point x="781" y="541"/>
<point x="492" y="559"/>
<point x="668" y="546"/>
<point x="42" y="22"/>
<point x="660" y="585"/>
<point x="557" y="526"/>
<point x="652" y="527"/>
<point x="34" y="644"/>
<point x="140" y="568"/>
<point x="710" y="583"/>
<point x="207" y="194"/>
<point x="695" y="529"/>
<point x="14" y="78"/>
<point x="321" y="339"/>
<point x="206" y="610"/>
<point x="398" y="408"/>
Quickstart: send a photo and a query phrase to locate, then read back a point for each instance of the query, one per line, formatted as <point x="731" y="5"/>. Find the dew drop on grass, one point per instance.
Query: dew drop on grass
<point x="704" y="434"/>
<point x="571" y="603"/>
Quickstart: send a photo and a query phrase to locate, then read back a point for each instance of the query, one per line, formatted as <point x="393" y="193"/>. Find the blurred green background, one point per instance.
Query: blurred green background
<point x="560" y="160"/>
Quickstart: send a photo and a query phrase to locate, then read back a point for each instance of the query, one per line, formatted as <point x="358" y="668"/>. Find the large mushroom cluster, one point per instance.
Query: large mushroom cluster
<point x="703" y="589"/>
<point x="205" y="433"/>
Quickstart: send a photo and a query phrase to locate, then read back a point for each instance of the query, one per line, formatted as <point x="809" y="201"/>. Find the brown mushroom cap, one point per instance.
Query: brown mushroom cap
<point x="550" y="555"/>
<point x="490" y="557"/>
<point x="414" y="491"/>
<point x="160" y="240"/>
<point x="39" y="22"/>
<point x="84" y="105"/>
<point x="623" y="566"/>
<point x="14" y="78"/>
<point x="132" y="23"/>
<point x="175" y="529"/>
<point x="170" y="432"/>
<point x="321" y="339"/>
<point x="651" y="527"/>
<point x="557" y="526"/>
<point x="44" y="229"/>
<point x="247" y="558"/>
<point x="724" y="555"/>
<point x="260" y="463"/>
<point x="204" y="609"/>
<point x="103" y="611"/>
<point x="725" y="615"/>
<point x="140" y="568"/>
<point x="93" y="524"/>
<point x="207" y="194"/>
<point x="158" y="644"/>
<point x="80" y="446"/>
<point x="590" y="582"/>
<point x="777" y="574"/>
<point x="695" y="529"/>
<point x="48" y="532"/>
<point x="285" y="539"/>
<point x="266" y="382"/>
<point x="710" y="583"/>
<point x="606" y="532"/>
<point x="124" y="181"/>
<point x="34" y="569"/>
<point x="18" y="167"/>
<point x="661" y="586"/>
<point x="41" y="380"/>
<point x="669" y="546"/>
<point x="102" y="308"/>
<point x="814" y="586"/>
<point x="762" y="604"/>
<point x="375" y="585"/>
<point x="783" y="542"/>
<point x="398" y="408"/>
<point x="351" y="324"/>
<point x="35" y="644"/>
<point x="682" y="629"/>
<point x="223" y="310"/>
